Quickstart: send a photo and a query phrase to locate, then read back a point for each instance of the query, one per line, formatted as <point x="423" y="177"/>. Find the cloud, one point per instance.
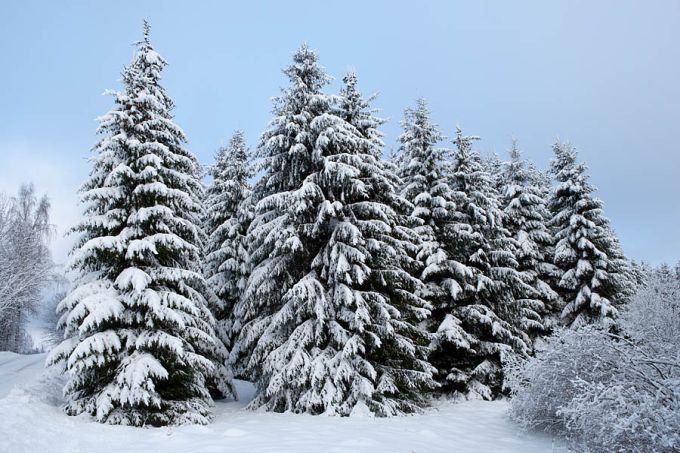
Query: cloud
<point x="53" y="173"/>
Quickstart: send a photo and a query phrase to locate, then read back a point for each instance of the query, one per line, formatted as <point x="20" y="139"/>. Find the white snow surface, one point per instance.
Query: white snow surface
<point x="31" y="420"/>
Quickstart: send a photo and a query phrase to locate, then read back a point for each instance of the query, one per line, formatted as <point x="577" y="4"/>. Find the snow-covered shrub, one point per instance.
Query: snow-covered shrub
<point x="544" y="384"/>
<point x="610" y="391"/>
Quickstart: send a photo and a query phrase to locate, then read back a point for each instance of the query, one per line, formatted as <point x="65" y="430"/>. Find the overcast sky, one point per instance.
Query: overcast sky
<point x="603" y="75"/>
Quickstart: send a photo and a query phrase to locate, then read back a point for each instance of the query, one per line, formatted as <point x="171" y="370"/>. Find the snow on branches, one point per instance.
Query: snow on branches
<point x="340" y="282"/>
<point x="140" y="346"/>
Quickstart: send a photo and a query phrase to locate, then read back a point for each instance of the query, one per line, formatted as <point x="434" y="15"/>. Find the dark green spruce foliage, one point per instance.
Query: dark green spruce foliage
<point x="338" y="332"/>
<point x="140" y="345"/>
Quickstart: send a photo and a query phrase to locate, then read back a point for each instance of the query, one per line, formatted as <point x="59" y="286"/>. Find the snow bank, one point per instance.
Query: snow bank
<point x="32" y="421"/>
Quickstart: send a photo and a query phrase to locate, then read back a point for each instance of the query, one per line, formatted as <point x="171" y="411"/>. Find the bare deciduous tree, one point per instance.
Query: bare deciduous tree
<point x="25" y="262"/>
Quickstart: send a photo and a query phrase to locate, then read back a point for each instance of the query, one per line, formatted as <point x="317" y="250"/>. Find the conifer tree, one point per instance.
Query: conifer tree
<point x="370" y="217"/>
<point x="284" y="206"/>
<point x="594" y="272"/>
<point x="486" y="307"/>
<point x="540" y="179"/>
<point x="424" y="172"/>
<point x="140" y="341"/>
<point x="342" y="338"/>
<point x="228" y="217"/>
<point x="526" y="218"/>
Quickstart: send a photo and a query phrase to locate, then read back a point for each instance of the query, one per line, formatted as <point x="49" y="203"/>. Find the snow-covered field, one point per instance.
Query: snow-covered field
<point x="32" y="421"/>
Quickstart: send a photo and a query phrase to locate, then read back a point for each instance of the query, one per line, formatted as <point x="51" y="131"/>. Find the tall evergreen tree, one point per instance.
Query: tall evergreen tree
<point x="228" y="216"/>
<point x="284" y="206"/>
<point x="486" y="307"/>
<point x="594" y="272"/>
<point x="526" y="218"/>
<point x="424" y="172"/>
<point x="342" y="337"/>
<point x="140" y="338"/>
<point x="381" y="310"/>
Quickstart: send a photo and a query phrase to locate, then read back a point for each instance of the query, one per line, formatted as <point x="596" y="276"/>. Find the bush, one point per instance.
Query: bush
<point x="609" y="391"/>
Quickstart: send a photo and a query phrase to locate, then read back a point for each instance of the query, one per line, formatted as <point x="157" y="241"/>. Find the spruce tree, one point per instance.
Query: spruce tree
<point x="284" y="207"/>
<point x="342" y="337"/>
<point x="486" y="308"/>
<point x="227" y="219"/>
<point x="382" y="312"/>
<point x="594" y="273"/>
<point x="526" y="219"/>
<point x="424" y="172"/>
<point x="140" y="339"/>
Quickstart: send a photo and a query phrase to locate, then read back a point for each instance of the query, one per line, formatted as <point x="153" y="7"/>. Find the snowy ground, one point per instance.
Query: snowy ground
<point x="32" y="421"/>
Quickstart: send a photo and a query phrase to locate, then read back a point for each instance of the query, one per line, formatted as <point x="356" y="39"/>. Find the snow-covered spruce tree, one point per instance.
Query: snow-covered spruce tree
<point x="140" y="337"/>
<point x="342" y="337"/>
<point x="277" y="246"/>
<point x="542" y="180"/>
<point x="365" y="264"/>
<point x="526" y="218"/>
<point x="227" y="217"/>
<point x="486" y="308"/>
<point x="594" y="272"/>
<point x="425" y="183"/>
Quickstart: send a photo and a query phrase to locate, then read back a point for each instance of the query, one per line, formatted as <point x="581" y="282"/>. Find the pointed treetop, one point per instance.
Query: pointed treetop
<point x="516" y="167"/>
<point x="234" y="152"/>
<point x="565" y="166"/>
<point x="420" y="136"/>
<point x="351" y="98"/>
<point x="421" y="104"/>
<point x="421" y="114"/>
<point x="147" y="64"/>
<point x="351" y="91"/>
<point x="462" y="142"/>
<point x="147" y="31"/>
<point x="420" y="118"/>
<point x="305" y="71"/>
<point x="304" y="49"/>
<point x="515" y="153"/>
<point x="565" y="155"/>
<point x="238" y="147"/>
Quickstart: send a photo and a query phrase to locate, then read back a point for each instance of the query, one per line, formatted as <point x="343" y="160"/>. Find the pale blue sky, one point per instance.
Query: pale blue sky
<point x="602" y="74"/>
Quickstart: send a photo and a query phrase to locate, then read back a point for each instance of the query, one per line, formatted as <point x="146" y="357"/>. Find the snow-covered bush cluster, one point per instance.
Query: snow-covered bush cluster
<point x="613" y="390"/>
<point x="338" y="281"/>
